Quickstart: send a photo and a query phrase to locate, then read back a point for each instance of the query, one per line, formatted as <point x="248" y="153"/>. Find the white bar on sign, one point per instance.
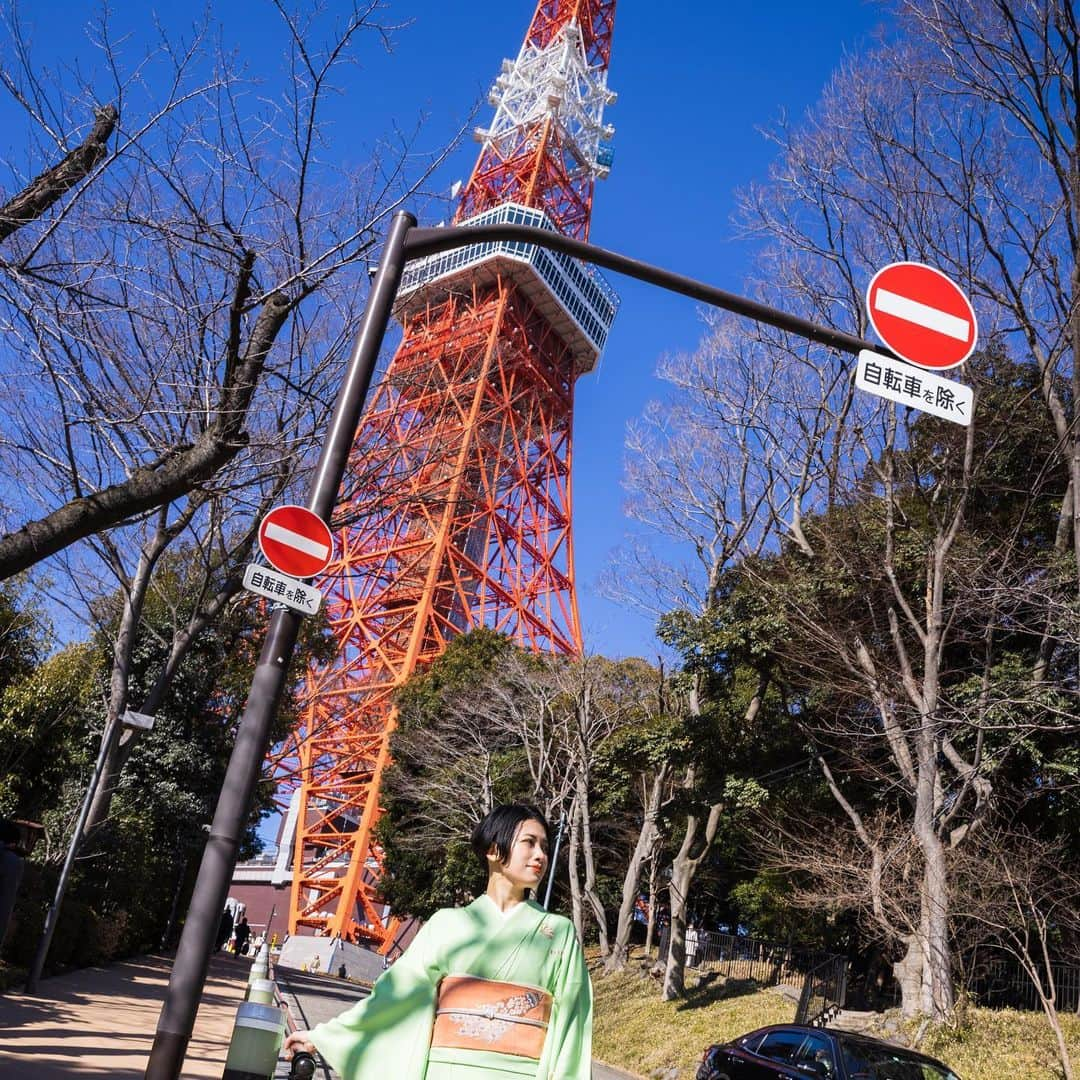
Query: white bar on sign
<point x="295" y="540"/>
<point x="903" y="307"/>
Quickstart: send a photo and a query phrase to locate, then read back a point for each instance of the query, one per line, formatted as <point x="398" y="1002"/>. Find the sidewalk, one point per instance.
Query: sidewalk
<point x="100" y="1022"/>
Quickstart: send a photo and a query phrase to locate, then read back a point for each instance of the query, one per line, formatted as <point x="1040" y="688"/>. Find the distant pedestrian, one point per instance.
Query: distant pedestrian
<point x="243" y="934"/>
<point x="691" y="945"/>
<point x="497" y="990"/>
<point x="224" y="930"/>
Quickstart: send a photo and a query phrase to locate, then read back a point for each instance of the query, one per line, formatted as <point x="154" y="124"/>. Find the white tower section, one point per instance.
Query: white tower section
<point x="555" y="81"/>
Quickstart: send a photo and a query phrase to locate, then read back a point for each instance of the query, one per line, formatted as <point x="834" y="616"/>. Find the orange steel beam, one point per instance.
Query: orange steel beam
<point x="457" y="512"/>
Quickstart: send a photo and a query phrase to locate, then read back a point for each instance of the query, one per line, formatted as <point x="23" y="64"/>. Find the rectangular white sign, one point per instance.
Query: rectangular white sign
<point x="915" y="387"/>
<point x="142" y="721"/>
<point x="285" y="590"/>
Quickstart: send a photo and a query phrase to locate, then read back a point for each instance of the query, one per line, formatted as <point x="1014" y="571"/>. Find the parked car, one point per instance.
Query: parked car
<point x="794" y="1052"/>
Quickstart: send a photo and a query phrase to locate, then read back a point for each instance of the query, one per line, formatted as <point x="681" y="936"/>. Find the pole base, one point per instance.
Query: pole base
<point x="167" y="1056"/>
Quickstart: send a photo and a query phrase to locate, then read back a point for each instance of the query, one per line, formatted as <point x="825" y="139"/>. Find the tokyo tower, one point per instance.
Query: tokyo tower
<point x="458" y="495"/>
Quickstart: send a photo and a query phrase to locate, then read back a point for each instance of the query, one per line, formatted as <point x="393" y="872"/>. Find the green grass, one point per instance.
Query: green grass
<point x="636" y="1031"/>
<point x="987" y="1044"/>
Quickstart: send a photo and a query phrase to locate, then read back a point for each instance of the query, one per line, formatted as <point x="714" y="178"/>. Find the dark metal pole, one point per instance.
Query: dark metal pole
<point x="108" y="736"/>
<point x="554" y="860"/>
<point x="177" y="1019"/>
<point x="422" y="242"/>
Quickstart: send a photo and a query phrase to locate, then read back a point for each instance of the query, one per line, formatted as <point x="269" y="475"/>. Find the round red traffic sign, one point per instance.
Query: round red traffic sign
<point x="922" y="315"/>
<point x="296" y="541"/>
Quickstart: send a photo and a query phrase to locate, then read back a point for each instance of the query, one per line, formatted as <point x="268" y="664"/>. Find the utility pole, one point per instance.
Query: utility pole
<point x="52" y="916"/>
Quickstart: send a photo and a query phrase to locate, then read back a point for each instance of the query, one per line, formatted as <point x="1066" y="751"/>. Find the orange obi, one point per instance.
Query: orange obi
<point x="480" y="1014"/>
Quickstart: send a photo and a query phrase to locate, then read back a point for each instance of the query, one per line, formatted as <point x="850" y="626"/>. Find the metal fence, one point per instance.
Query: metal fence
<point x="1000" y="982"/>
<point x="823" y="992"/>
<point x="821" y="976"/>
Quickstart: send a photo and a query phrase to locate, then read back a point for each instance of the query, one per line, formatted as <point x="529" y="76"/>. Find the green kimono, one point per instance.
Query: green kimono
<point x="387" y="1036"/>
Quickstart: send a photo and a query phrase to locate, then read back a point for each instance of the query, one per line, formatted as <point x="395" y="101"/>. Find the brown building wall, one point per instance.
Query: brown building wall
<point x="260" y="899"/>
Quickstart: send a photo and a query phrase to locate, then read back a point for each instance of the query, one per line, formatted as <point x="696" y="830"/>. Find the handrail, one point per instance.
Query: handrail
<point x="831" y="1003"/>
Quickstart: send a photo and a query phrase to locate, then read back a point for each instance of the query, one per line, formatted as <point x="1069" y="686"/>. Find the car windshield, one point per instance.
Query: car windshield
<point x="865" y="1061"/>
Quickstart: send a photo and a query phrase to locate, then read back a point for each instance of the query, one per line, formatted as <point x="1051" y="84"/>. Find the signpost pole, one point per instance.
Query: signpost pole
<point x="177" y="1019"/>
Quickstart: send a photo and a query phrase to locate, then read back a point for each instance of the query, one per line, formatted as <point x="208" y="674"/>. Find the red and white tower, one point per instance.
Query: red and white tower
<point x="458" y="499"/>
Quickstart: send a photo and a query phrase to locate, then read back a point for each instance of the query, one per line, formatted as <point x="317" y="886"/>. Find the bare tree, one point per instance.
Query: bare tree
<point x="150" y="273"/>
<point x="890" y="168"/>
<point x="656" y="794"/>
<point x="702" y="474"/>
<point x="538" y="727"/>
<point x="1019" y="898"/>
<point x="178" y="291"/>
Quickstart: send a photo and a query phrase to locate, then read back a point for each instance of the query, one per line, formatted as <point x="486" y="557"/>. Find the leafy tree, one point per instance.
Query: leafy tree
<point x="925" y="575"/>
<point x="133" y="877"/>
<point x="43" y="735"/>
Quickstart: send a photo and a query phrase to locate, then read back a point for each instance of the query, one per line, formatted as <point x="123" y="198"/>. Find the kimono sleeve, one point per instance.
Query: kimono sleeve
<point x="568" y="1048"/>
<point x="388" y="1033"/>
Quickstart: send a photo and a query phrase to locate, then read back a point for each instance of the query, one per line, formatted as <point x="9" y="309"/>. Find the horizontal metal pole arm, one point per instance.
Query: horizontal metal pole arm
<point x="422" y="242"/>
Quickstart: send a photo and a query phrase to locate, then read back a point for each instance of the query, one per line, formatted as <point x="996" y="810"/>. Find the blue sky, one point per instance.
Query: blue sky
<point x="696" y="80"/>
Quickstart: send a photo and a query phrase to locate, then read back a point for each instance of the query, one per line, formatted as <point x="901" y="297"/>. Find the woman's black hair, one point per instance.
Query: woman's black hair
<point x="498" y="829"/>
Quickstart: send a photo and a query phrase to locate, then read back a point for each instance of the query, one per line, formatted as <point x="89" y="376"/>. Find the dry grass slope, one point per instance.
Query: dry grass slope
<point x="636" y="1031"/>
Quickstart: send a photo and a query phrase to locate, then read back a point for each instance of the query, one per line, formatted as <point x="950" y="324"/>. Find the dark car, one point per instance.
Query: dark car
<point x="794" y="1052"/>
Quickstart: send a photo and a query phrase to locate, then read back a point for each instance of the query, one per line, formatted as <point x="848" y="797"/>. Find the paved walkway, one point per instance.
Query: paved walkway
<point x="100" y="1022"/>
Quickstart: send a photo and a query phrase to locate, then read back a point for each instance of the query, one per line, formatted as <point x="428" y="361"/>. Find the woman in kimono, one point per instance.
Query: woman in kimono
<point x="497" y="990"/>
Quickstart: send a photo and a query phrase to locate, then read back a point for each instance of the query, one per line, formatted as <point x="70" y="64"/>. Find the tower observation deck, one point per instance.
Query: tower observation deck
<point x="456" y="511"/>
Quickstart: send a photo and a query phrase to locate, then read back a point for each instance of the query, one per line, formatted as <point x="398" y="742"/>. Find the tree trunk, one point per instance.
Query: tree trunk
<point x="170" y="922"/>
<point x="908" y="972"/>
<point x="582" y="721"/>
<point x="593" y="897"/>
<point x="683" y="869"/>
<point x="646" y="842"/>
<point x="682" y="874"/>
<point x="939" y="952"/>
<point x="654" y="860"/>
<point x="123" y="647"/>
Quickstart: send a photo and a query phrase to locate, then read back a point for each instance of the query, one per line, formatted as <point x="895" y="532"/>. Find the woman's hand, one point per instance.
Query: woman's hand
<point x="298" y="1040"/>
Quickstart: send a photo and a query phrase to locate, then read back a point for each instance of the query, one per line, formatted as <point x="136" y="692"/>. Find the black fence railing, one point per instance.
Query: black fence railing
<point x="1000" y="982"/>
<point x="823" y="993"/>
<point x="820" y="976"/>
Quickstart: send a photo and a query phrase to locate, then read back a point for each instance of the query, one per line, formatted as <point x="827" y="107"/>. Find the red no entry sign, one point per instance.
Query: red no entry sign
<point x="922" y="315"/>
<point x="295" y="541"/>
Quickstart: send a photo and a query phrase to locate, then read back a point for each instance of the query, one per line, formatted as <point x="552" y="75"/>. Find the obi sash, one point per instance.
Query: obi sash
<point x="481" y="1014"/>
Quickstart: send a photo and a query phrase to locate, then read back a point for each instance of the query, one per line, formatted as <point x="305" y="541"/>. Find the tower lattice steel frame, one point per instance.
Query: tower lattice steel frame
<point x="459" y="500"/>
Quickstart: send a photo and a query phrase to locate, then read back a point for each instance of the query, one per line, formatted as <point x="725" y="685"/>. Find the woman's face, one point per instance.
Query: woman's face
<point x="528" y="856"/>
